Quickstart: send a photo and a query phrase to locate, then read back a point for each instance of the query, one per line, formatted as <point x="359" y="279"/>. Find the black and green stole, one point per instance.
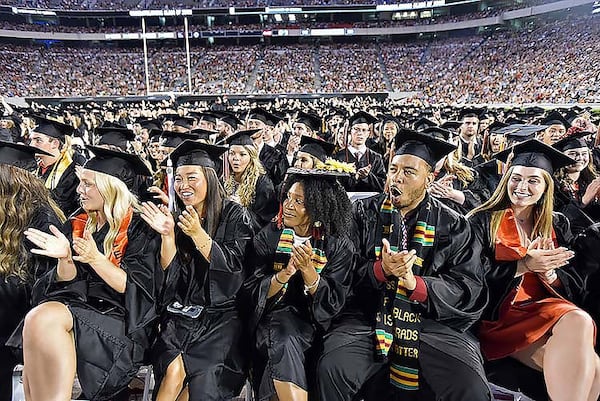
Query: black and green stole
<point x="399" y="319"/>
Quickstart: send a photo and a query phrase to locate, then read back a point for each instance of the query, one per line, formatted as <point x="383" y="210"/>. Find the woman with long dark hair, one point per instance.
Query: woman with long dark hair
<point x="531" y="316"/>
<point x="97" y="305"/>
<point x="198" y="354"/>
<point x="303" y="274"/>
<point x="24" y="203"/>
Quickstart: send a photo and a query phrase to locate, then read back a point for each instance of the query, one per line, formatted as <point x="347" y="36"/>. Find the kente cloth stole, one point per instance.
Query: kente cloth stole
<point x="119" y="246"/>
<point x="58" y="170"/>
<point x="399" y="319"/>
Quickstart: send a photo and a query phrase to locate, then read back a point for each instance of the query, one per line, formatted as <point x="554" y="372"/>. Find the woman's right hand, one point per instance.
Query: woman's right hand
<point x="159" y="194"/>
<point x="542" y="256"/>
<point x="286" y="274"/>
<point x="159" y="218"/>
<point x="54" y="245"/>
<point x="591" y="192"/>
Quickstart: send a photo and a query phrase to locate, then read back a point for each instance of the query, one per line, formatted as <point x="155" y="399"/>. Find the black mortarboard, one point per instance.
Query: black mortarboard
<point x="242" y="138"/>
<point x="264" y="116"/>
<point x="451" y="125"/>
<point x="424" y="146"/>
<point x="520" y="132"/>
<point x="389" y="118"/>
<point x="172" y="139"/>
<point x="496" y="126"/>
<point x="150" y="124"/>
<point x="534" y="153"/>
<point x="514" y="120"/>
<point x="184" y="122"/>
<point x="155" y="135"/>
<point x="114" y="136"/>
<point x="574" y="141"/>
<point x="361" y="117"/>
<point x="437" y="132"/>
<point x="124" y="166"/>
<point x="337" y="111"/>
<point x="316" y="147"/>
<point x="230" y="119"/>
<point x="203" y="134"/>
<point x="423" y="123"/>
<point x="555" y="118"/>
<point x="312" y="121"/>
<point x="469" y="112"/>
<point x="18" y="155"/>
<point x="168" y="117"/>
<point x="534" y="111"/>
<point x="192" y="153"/>
<point x="204" y="116"/>
<point x="51" y="128"/>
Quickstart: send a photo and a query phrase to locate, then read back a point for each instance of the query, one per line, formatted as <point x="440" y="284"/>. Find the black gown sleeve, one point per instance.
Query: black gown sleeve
<point x="375" y="180"/>
<point x="265" y="204"/>
<point x="65" y="193"/>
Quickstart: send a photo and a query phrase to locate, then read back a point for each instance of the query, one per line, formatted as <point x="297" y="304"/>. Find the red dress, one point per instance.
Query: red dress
<point x="529" y="311"/>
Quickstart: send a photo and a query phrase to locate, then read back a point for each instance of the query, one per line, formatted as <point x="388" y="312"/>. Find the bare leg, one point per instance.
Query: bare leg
<point x="49" y="352"/>
<point x="287" y="391"/>
<point x="172" y="384"/>
<point x="595" y="392"/>
<point x="185" y="394"/>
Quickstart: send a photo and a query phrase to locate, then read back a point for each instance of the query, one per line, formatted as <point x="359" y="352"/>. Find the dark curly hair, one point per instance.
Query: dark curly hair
<point x="325" y="200"/>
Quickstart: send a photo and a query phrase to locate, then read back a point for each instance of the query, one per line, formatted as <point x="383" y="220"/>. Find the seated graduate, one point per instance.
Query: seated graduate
<point x="577" y="185"/>
<point x="419" y="260"/>
<point x="97" y="306"/>
<point x="24" y="202"/>
<point x="302" y="278"/>
<point x="198" y="353"/>
<point x="248" y="184"/>
<point x="529" y="316"/>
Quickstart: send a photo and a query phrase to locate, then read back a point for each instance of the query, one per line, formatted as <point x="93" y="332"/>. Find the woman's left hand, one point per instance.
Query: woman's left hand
<point x="86" y="249"/>
<point x="302" y="257"/>
<point x="189" y="222"/>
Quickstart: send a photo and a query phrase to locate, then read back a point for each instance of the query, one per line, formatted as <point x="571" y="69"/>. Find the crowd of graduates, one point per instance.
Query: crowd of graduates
<point x="332" y="249"/>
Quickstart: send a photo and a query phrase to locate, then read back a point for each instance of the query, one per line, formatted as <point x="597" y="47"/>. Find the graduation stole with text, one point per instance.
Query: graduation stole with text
<point x="78" y="224"/>
<point x="398" y="321"/>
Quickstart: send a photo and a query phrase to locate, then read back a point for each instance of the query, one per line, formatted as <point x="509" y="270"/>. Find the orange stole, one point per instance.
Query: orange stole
<point x="120" y="244"/>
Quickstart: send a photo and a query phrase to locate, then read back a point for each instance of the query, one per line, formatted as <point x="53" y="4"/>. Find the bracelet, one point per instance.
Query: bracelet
<point x="203" y="247"/>
<point x="277" y="279"/>
<point x="307" y="288"/>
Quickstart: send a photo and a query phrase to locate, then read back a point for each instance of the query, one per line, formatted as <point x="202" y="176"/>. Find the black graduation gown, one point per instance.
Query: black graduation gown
<point x="375" y="181"/>
<point x="15" y="299"/>
<point x="211" y="344"/>
<point x="587" y="259"/>
<point x="65" y="192"/>
<point x="476" y="193"/>
<point x="112" y="331"/>
<point x="580" y="217"/>
<point x="265" y="205"/>
<point x="270" y="158"/>
<point x="284" y="328"/>
<point x="500" y="278"/>
<point x="489" y="175"/>
<point x="465" y="149"/>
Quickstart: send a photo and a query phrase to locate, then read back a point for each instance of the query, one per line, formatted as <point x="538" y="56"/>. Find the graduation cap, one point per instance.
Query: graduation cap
<point x="496" y="126"/>
<point x="534" y="111"/>
<point x="229" y="119"/>
<point x="155" y="135"/>
<point x="121" y="165"/>
<point x="424" y="122"/>
<point x="312" y="121"/>
<point x="172" y="139"/>
<point x="243" y="138"/>
<point x="426" y="147"/>
<point x="150" y="124"/>
<point x="555" y="118"/>
<point x="534" y="153"/>
<point x="264" y="116"/>
<point x="469" y="112"/>
<point x="192" y="153"/>
<point x="437" y="132"/>
<point x="52" y="128"/>
<point x="451" y="125"/>
<point x="520" y="132"/>
<point x="18" y="155"/>
<point x="316" y="147"/>
<point x="114" y="136"/>
<point x="574" y="141"/>
<point x="337" y="111"/>
<point x="184" y="122"/>
<point x="204" y="116"/>
<point x="201" y="133"/>
<point x="361" y="117"/>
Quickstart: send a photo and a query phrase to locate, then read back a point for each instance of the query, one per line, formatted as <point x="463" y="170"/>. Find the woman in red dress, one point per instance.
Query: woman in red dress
<point x="531" y="316"/>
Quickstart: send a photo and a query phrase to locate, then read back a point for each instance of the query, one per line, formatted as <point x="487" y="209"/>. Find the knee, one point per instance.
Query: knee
<point x="578" y="322"/>
<point x="175" y="373"/>
<point x="44" y="318"/>
<point x="472" y="388"/>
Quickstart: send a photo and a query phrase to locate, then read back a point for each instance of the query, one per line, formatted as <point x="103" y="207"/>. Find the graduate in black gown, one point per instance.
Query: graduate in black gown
<point x="57" y="169"/>
<point x="199" y="350"/>
<point x="302" y="278"/>
<point x="248" y="184"/>
<point x="24" y="202"/>
<point x="370" y="168"/>
<point x="421" y="260"/>
<point x="96" y="311"/>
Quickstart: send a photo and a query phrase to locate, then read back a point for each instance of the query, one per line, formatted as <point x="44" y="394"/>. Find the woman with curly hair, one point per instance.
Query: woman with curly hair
<point x="248" y="184"/>
<point x="303" y="274"/>
<point x="24" y="202"/>
<point x="531" y="316"/>
<point x="198" y="354"/>
<point x="578" y="185"/>
<point x="96" y="308"/>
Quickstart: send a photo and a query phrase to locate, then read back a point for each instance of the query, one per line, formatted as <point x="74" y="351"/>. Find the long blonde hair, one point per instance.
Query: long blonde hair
<point x="117" y="201"/>
<point x="453" y="165"/>
<point x="22" y="194"/>
<point x="499" y="202"/>
<point x="246" y="188"/>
